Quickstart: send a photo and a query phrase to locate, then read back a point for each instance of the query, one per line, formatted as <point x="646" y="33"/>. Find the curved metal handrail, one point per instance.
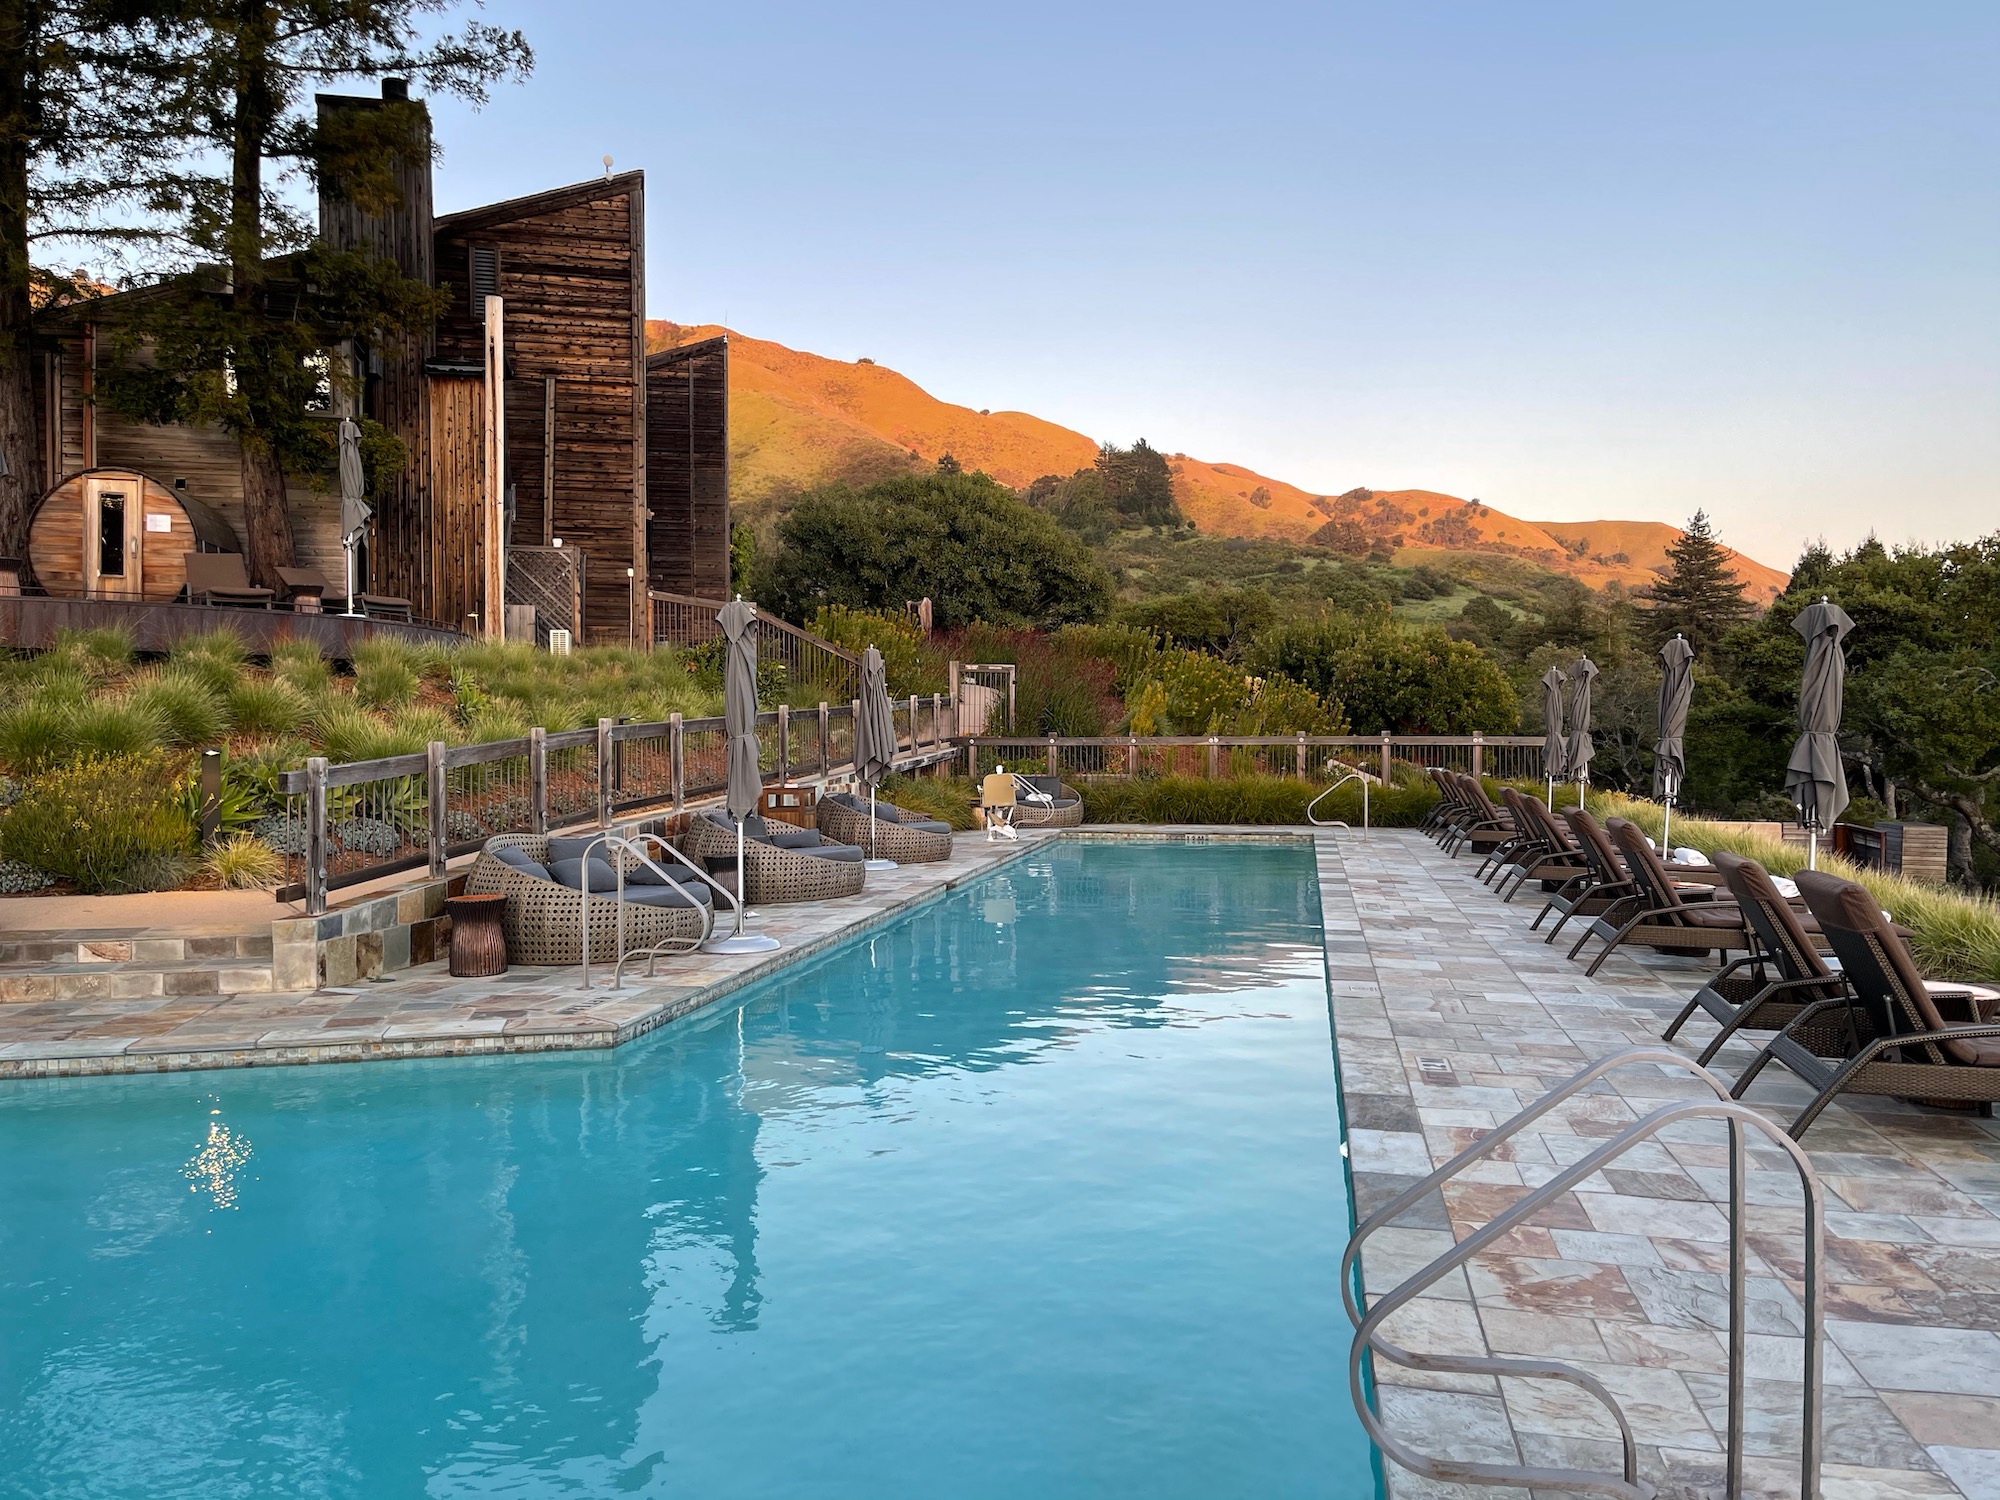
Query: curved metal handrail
<point x="1368" y="1341"/>
<point x="617" y="843"/>
<point x="1352" y="775"/>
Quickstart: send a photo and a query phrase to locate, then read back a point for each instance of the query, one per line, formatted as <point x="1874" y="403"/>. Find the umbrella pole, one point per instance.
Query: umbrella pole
<point x="741" y="941"/>
<point x="740" y="886"/>
<point x="347" y="546"/>
<point x="874" y="862"/>
<point x="1812" y="846"/>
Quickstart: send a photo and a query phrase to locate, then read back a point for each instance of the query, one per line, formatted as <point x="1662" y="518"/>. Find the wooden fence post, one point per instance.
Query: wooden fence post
<point x="316" y="835"/>
<point x="1214" y="758"/>
<point x="784" y="745"/>
<point x="677" y="758"/>
<point x="1478" y="756"/>
<point x="1385" y="757"/>
<point x="913" y="723"/>
<point x="1302" y="755"/>
<point x="1132" y="758"/>
<point x="972" y="758"/>
<point x="951" y="694"/>
<point x="825" y="740"/>
<point x="440" y="833"/>
<point x="538" y="777"/>
<point x="937" y="720"/>
<point x="605" y="751"/>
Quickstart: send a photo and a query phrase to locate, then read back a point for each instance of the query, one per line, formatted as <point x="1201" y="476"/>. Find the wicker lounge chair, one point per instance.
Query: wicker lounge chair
<point x="1554" y="859"/>
<point x="895" y="833"/>
<point x="1046" y="802"/>
<point x="780" y="864"/>
<point x="1766" y="990"/>
<point x="543" y="918"/>
<point x="1603" y="884"/>
<point x="1915" y="1053"/>
<point x="219" y="578"/>
<point x="1658" y="913"/>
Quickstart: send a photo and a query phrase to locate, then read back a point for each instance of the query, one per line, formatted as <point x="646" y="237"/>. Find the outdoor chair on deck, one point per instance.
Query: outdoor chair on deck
<point x="1481" y="826"/>
<point x="997" y="803"/>
<point x="1433" y="821"/>
<point x="1914" y="1052"/>
<point x="1556" y="859"/>
<point x="1659" y="913"/>
<point x="219" y="578"/>
<point x="543" y="918"/>
<point x="894" y="833"/>
<point x="1603" y="882"/>
<point x="780" y="863"/>
<point x="1526" y="842"/>
<point x="307" y="590"/>
<point x="1766" y="990"/>
<point x="1045" y="802"/>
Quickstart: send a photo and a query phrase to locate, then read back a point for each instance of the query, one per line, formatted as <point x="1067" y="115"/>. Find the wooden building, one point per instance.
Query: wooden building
<point x="545" y="429"/>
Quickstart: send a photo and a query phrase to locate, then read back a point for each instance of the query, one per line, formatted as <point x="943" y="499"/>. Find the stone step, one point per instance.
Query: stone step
<point x="135" y="980"/>
<point x="37" y="950"/>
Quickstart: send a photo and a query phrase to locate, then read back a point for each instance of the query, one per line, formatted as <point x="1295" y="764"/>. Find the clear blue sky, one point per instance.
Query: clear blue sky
<point x="1578" y="260"/>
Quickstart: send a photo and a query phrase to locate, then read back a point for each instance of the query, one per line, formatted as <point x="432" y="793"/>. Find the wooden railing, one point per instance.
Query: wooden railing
<point x="1303" y="755"/>
<point x="346" y="824"/>
<point x="686" y="620"/>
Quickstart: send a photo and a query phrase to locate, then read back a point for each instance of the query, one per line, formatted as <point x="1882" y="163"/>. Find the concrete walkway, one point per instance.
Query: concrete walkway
<point x="1450" y="1016"/>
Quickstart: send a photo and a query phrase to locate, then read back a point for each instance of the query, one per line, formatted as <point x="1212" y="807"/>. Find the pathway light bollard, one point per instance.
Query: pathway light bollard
<point x="211" y="795"/>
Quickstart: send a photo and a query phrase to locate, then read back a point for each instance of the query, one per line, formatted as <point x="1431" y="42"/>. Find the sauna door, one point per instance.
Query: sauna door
<point x="112" y="533"/>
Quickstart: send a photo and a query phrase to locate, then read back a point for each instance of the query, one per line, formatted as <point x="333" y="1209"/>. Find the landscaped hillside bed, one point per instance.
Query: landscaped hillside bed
<point x="99" y="750"/>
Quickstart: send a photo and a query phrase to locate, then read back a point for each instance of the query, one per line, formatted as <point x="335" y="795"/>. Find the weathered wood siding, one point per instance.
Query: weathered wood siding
<point x="55" y="540"/>
<point x="687" y="468"/>
<point x="570" y="267"/>
<point x="428" y="550"/>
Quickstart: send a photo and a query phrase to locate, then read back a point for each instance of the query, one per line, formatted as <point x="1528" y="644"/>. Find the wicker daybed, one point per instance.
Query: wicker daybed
<point x="543" y="918"/>
<point x="896" y="833"/>
<point x="780" y="863"/>
<point x="1067" y="811"/>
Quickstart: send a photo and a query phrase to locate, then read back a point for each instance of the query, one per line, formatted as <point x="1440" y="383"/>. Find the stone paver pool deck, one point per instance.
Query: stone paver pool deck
<point x="423" y="1012"/>
<point x="1450" y="1017"/>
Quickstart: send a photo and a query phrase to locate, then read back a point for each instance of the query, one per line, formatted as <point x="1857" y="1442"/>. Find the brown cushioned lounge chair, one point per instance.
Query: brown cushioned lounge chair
<point x="1659" y="913"/>
<point x="1558" y="860"/>
<point x="219" y="578"/>
<point x="1914" y="1052"/>
<point x="1766" y="990"/>
<point x="1481" y="827"/>
<point x="1603" y="884"/>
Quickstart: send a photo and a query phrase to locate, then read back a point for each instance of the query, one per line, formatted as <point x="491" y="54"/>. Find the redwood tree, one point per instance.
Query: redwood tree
<point x="245" y="349"/>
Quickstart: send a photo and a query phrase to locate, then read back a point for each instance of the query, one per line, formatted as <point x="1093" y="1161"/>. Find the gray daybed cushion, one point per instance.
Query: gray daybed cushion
<point x="516" y="858"/>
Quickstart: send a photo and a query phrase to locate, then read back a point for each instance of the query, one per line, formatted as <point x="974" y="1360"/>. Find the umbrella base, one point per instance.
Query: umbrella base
<point x="879" y="864"/>
<point x="748" y="942"/>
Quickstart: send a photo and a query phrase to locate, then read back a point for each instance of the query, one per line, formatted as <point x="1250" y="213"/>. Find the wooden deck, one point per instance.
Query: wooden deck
<point x="31" y="622"/>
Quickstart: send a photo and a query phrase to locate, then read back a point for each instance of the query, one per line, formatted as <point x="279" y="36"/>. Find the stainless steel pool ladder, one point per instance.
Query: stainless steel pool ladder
<point x="634" y="844"/>
<point x="1352" y="775"/>
<point x="1368" y="1340"/>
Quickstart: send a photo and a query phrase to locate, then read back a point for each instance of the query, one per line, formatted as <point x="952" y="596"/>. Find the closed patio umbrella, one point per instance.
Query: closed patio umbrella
<point x="354" y="511"/>
<point x="1814" y="775"/>
<point x="739" y="727"/>
<point x="1582" y="672"/>
<point x="874" y="740"/>
<point x="1555" y="755"/>
<point x="1669" y="754"/>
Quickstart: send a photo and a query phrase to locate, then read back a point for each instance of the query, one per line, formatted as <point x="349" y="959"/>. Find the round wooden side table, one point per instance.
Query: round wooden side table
<point x="478" y="946"/>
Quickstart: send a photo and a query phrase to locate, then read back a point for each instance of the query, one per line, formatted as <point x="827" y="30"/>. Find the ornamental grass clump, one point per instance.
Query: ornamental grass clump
<point x="1247" y="799"/>
<point x="243" y="862"/>
<point x="186" y="704"/>
<point x="105" y="822"/>
<point x="268" y="706"/>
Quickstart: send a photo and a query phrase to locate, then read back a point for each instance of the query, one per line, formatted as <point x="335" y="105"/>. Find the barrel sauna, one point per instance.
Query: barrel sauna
<point x="115" y="534"/>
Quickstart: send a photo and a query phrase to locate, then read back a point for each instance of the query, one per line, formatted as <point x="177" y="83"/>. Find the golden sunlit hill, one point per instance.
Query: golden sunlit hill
<point x="797" y="420"/>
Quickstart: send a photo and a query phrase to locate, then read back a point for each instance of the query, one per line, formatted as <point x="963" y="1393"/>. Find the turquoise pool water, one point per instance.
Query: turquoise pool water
<point x="1036" y="1193"/>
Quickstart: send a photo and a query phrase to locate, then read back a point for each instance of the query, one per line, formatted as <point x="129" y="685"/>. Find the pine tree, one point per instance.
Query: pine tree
<point x="1699" y="596"/>
<point x="248" y="349"/>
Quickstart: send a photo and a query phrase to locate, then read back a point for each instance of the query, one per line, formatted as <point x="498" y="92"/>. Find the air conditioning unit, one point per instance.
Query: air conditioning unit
<point x="559" y="643"/>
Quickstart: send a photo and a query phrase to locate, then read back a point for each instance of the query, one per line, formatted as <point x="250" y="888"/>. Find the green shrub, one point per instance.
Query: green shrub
<point x="105" y="822"/>
<point x="36" y="734"/>
<point x="217" y="657"/>
<point x="300" y="664"/>
<point x="110" y="726"/>
<point x="187" y="706"/>
<point x="242" y="862"/>
<point x="100" y="652"/>
<point x="268" y="705"/>
<point x="349" y="732"/>
<point x="1246" y="799"/>
<point x="385" y="683"/>
<point x="904" y="661"/>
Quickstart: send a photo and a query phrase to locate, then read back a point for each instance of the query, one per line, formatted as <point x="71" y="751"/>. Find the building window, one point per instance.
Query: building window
<point x="484" y="278"/>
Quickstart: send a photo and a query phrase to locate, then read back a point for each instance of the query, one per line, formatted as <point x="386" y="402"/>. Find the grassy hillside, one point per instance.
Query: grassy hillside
<point x="798" y="420"/>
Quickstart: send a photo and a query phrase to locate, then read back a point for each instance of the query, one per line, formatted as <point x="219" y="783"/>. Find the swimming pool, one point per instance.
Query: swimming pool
<point x="1036" y="1192"/>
